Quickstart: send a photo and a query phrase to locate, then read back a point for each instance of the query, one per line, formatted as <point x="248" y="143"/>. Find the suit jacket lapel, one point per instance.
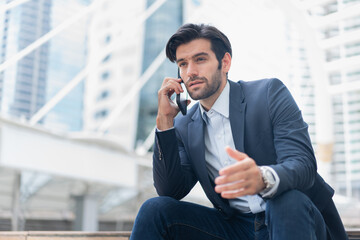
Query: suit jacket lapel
<point x="197" y="150"/>
<point x="197" y="144"/>
<point x="237" y="109"/>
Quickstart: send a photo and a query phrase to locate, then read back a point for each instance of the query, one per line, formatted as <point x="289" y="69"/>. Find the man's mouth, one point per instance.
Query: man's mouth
<point x="195" y="83"/>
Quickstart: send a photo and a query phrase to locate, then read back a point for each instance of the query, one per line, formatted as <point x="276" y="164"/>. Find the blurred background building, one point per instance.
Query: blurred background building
<point x="115" y="55"/>
<point x="78" y="99"/>
<point x="338" y="26"/>
<point x="158" y="29"/>
<point x="38" y="76"/>
<point x="24" y="84"/>
<point x="67" y="56"/>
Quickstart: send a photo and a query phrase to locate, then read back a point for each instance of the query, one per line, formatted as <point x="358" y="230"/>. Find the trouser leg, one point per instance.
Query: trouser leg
<point x="167" y="218"/>
<point x="292" y="215"/>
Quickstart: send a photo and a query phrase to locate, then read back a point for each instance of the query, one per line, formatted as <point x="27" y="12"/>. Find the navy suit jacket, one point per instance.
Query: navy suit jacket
<point x="268" y="126"/>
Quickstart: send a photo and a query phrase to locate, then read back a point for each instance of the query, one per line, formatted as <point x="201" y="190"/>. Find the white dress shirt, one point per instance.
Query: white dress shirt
<point x="218" y="135"/>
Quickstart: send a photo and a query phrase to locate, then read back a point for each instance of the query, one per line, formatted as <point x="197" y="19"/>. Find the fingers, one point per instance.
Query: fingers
<point x="167" y="109"/>
<point x="231" y="177"/>
<point x="235" y="154"/>
<point x="233" y="190"/>
<point x="244" y="162"/>
<point x="250" y="185"/>
<point x="237" y="172"/>
<point x="238" y="188"/>
<point x="171" y="85"/>
<point x="240" y="179"/>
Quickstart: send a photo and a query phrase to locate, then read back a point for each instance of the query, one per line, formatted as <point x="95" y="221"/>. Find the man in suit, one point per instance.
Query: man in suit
<point x="247" y="145"/>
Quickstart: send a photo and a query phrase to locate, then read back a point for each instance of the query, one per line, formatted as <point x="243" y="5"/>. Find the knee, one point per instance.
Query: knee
<point x="152" y="218"/>
<point x="290" y="202"/>
<point x="155" y="207"/>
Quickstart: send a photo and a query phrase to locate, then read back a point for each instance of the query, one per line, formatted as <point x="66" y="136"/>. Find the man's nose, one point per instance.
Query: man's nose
<point x="192" y="70"/>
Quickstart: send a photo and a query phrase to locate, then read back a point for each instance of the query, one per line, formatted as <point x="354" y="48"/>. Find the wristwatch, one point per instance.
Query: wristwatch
<point x="267" y="177"/>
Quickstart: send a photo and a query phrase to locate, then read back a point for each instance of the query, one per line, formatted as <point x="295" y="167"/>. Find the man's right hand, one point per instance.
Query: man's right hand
<point x="167" y="109"/>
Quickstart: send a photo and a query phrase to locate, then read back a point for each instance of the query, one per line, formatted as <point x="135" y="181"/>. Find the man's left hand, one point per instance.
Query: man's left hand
<point x="240" y="179"/>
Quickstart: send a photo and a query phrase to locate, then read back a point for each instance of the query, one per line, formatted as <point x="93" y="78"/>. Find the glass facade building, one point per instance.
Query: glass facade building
<point x="66" y="58"/>
<point x="27" y="85"/>
<point x="158" y="29"/>
<point x="24" y="84"/>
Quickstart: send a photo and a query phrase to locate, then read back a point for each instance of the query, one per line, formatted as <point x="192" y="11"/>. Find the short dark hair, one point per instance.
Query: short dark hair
<point x="220" y="44"/>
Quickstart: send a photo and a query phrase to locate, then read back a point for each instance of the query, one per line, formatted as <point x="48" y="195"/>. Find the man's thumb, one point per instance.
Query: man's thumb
<point x="235" y="154"/>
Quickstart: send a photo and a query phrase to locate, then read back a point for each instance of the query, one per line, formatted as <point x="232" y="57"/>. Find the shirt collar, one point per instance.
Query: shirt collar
<point x="221" y="104"/>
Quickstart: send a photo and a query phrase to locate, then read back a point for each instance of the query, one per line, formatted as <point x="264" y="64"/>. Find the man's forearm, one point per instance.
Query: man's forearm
<point x="164" y="123"/>
<point x="170" y="177"/>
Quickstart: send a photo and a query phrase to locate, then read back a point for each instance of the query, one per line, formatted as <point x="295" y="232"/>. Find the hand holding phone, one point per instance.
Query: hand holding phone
<point x="181" y="99"/>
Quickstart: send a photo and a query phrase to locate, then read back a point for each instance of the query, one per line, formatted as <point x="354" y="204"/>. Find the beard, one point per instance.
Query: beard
<point x="209" y="89"/>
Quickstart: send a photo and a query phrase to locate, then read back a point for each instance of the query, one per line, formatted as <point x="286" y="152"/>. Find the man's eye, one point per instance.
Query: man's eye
<point x="200" y="59"/>
<point x="182" y="64"/>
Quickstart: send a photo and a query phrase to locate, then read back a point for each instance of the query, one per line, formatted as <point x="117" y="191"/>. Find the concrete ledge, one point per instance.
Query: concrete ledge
<point x="43" y="235"/>
<point x="354" y="234"/>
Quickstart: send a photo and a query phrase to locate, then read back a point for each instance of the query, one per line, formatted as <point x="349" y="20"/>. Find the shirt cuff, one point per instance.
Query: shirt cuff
<point x="158" y="130"/>
<point x="271" y="192"/>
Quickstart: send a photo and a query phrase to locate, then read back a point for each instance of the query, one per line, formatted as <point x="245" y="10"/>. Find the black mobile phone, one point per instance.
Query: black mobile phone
<point x="181" y="99"/>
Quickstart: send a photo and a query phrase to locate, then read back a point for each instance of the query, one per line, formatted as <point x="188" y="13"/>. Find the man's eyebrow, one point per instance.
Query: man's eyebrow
<point x="196" y="55"/>
<point x="200" y="54"/>
<point x="179" y="60"/>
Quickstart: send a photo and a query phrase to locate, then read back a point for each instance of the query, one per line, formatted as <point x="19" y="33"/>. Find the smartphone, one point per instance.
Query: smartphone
<point x="181" y="99"/>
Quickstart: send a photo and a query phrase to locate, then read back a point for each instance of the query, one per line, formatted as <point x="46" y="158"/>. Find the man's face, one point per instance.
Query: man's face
<point x="199" y="69"/>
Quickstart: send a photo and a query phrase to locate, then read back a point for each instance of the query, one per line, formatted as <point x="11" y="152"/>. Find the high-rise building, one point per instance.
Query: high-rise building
<point x="338" y="25"/>
<point x="24" y="84"/>
<point x="115" y="53"/>
<point x="27" y="85"/>
<point x="66" y="58"/>
<point x="121" y="54"/>
<point x="158" y="29"/>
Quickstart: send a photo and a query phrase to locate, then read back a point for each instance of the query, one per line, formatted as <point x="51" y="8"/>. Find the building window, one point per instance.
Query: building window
<point x="103" y="95"/>
<point x="107" y="39"/>
<point x="332" y="54"/>
<point x="105" y="75"/>
<point x="353" y="76"/>
<point x="107" y="58"/>
<point x="335" y="78"/>
<point x="101" y="114"/>
<point x="352" y="49"/>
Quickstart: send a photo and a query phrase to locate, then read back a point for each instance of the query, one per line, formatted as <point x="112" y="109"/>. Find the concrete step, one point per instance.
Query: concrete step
<point x="43" y="235"/>
<point x="354" y="234"/>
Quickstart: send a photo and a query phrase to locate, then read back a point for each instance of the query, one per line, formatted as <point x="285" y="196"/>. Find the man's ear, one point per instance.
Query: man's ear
<point x="226" y="62"/>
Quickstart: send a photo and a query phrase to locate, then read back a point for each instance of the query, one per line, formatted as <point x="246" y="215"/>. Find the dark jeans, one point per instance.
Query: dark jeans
<point x="289" y="216"/>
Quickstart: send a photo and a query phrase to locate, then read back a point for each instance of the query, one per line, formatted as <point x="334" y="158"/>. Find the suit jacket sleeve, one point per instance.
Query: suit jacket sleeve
<point x="172" y="172"/>
<point x="296" y="164"/>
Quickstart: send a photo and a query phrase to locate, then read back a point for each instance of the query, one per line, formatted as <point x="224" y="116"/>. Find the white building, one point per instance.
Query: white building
<point x="115" y="53"/>
<point x="338" y="25"/>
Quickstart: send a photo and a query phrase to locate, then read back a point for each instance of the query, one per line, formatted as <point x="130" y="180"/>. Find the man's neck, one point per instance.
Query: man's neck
<point x="209" y="102"/>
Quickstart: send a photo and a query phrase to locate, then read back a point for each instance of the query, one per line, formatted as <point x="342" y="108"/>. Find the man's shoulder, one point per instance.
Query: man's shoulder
<point x="265" y="82"/>
<point x="256" y="87"/>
